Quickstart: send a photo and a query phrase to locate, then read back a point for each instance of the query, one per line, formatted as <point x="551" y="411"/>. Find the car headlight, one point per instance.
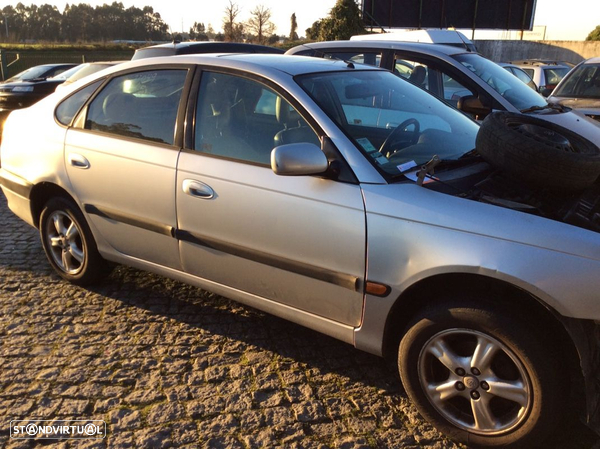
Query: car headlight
<point x="23" y="89"/>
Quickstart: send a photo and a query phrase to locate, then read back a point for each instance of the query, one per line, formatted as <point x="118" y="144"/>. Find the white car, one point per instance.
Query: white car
<point x="462" y="78"/>
<point x="338" y="196"/>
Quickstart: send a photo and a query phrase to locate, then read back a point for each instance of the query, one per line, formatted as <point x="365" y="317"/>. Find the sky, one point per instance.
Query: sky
<point x="564" y="20"/>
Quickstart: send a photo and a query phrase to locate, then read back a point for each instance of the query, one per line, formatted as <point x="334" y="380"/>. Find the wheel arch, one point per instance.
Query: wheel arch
<point x="41" y="193"/>
<point x="425" y="292"/>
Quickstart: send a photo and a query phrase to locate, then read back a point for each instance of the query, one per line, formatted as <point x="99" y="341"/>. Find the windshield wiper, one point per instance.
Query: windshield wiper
<point x="556" y="107"/>
<point x="428" y="169"/>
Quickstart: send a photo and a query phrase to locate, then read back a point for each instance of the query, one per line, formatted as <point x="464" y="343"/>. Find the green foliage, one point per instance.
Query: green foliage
<point x="81" y="23"/>
<point x="294" y="28"/>
<point x="198" y="32"/>
<point x="343" y="22"/>
<point x="312" y="33"/>
<point x="594" y="34"/>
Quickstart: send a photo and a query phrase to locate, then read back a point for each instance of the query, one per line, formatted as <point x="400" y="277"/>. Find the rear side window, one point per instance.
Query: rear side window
<point x="370" y="58"/>
<point x="69" y="107"/>
<point x="553" y="76"/>
<point x="141" y="105"/>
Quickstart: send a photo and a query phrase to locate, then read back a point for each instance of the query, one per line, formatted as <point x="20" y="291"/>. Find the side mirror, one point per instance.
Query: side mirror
<point x="296" y="159"/>
<point x="473" y="105"/>
<point x="546" y="92"/>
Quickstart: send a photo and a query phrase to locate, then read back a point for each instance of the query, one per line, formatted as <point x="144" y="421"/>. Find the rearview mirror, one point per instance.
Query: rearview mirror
<point x="296" y="159"/>
<point x="473" y="105"/>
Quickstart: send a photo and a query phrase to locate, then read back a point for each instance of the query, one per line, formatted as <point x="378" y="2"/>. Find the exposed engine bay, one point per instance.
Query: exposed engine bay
<point x="474" y="179"/>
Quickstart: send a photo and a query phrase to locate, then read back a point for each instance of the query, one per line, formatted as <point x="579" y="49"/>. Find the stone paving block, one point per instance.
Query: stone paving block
<point x="168" y="365"/>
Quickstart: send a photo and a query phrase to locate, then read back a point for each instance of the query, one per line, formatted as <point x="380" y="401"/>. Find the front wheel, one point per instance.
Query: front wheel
<point x="69" y="244"/>
<point x="483" y="376"/>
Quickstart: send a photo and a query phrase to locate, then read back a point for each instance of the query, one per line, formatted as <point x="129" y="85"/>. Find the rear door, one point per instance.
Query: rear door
<point x="121" y="158"/>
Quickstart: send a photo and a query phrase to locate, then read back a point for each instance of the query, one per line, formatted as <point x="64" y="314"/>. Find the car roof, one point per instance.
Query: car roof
<point x="420" y="47"/>
<point x="539" y="62"/>
<point x="193" y="47"/>
<point x="595" y="60"/>
<point x="251" y="62"/>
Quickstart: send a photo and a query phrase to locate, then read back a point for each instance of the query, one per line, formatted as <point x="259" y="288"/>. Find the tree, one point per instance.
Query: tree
<point x="48" y="23"/>
<point x="293" y="28"/>
<point x="260" y="24"/>
<point x="594" y="34"/>
<point x="198" y="32"/>
<point x="313" y="32"/>
<point x="343" y="22"/>
<point x="232" y="31"/>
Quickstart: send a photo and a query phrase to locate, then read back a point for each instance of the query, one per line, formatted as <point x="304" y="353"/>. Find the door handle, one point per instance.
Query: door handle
<point x="197" y="189"/>
<point x="78" y="161"/>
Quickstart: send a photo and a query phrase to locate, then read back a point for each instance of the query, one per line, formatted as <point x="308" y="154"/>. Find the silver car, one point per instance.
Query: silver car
<point x="462" y="78"/>
<point x="337" y="196"/>
<point x="580" y="89"/>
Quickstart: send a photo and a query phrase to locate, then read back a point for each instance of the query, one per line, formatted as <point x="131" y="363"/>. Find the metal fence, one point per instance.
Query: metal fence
<point x="13" y="62"/>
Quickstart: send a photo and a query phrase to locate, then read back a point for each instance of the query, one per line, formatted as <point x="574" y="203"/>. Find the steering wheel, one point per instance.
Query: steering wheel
<point x="393" y="138"/>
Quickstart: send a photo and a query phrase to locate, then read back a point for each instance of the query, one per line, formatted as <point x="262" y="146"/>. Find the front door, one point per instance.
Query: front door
<point x="299" y="241"/>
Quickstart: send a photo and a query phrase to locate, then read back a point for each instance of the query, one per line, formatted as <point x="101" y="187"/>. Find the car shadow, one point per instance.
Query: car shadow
<point x="316" y="351"/>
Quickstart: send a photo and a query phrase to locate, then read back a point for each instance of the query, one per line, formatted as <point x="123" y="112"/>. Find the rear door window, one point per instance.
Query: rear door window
<point x="140" y="105"/>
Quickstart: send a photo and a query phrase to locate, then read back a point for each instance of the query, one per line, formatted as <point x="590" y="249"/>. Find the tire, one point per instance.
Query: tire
<point x="69" y="244"/>
<point x="518" y="393"/>
<point x="538" y="152"/>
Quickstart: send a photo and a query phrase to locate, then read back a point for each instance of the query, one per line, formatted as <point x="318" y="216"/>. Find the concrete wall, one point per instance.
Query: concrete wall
<point x="570" y="51"/>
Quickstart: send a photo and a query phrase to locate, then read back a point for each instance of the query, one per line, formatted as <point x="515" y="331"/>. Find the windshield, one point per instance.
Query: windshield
<point x="582" y="82"/>
<point x="29" y="74"/>
<point x="87" y="70"/>
<point x="503" y="82"/>
<point x="397" y="125"/>
<point x="67" y="73"/>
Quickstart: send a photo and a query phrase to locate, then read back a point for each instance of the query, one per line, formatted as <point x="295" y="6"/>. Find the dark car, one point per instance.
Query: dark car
<point x="28" y="87"/>
<point x="31" y="85"/>
<point x="188" y="48"/>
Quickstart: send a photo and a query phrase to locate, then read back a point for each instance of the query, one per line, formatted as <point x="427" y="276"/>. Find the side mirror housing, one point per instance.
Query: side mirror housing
<point x="546" y="92"/>
<point x="473" y="105"/>
<point x="297" y="159"/>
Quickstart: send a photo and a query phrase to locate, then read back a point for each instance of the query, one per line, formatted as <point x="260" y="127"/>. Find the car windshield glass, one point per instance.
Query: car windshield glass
<point x="503" y="82"/>
<point x="29" y="74"/>
<point x="86" y="71"/>
<point x="582" y="82"/>
<point x="397" y="125"/>
<point x="67" y="73"/>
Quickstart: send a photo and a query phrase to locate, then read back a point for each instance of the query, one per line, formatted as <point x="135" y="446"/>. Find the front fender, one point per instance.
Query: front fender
<point x="436" y="234"/>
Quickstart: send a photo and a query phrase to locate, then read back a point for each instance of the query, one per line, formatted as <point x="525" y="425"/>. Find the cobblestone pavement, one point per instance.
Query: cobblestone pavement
<point x="169" y="365"/>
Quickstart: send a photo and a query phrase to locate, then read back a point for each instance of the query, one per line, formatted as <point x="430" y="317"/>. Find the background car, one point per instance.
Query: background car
<point x="546" y="74"/>
<point x="341" y="197"/>
<point x="188" y="48"/>
<point x="464" y="79"/>
<point x="28" y="87"/>
<point x="82" y="70"/>
<point x="580" y="89"/>
<point x="519" y="73"/>
<point x="445" y="37"/>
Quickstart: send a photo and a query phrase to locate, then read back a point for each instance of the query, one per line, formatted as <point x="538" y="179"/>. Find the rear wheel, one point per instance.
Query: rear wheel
<point x="482" y="375"/>
<point x="69" y="244"/>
